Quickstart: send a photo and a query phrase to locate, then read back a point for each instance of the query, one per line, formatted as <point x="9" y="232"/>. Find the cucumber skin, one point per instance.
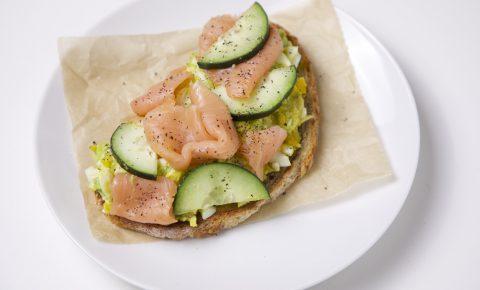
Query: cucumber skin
<point x="206" y="164"/>
<point x="254" y="116"/>
<point x="124" y="165"/>
<point x="247" y="56"/>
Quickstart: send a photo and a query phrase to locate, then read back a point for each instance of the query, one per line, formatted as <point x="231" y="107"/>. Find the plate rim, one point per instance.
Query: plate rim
<point x="372" y="39"/>
<point x="411" y="97"/>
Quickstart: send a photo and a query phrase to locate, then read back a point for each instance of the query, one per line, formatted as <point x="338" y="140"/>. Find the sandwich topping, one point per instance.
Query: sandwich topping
<point x="259" y="147"/>
<point x="200" y="132"/>
<point x="211" y="132"/>
<point x="143" y="200"/>
<point x="160" y="93"/>
<point x="246" y="75"/>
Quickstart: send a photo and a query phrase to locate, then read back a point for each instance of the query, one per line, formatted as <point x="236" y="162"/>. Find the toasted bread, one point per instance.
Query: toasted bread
<point x="277" y="183"/>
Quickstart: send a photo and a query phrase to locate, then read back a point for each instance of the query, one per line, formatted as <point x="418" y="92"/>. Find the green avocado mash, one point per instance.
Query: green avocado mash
<point x="198" y="73"/>
<point x="101" y="175"/>
<point x="191" y="218"/>
<point x="164" y="169"/>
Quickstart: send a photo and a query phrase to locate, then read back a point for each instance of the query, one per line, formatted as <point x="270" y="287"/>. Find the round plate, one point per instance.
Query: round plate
<point x="307" y="245"/>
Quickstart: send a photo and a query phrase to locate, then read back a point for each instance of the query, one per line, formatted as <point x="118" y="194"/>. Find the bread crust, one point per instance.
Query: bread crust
<point x="276" y="183"/>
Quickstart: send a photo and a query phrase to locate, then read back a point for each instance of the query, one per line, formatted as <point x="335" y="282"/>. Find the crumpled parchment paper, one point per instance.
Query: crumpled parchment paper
<point x="103" y="74"/>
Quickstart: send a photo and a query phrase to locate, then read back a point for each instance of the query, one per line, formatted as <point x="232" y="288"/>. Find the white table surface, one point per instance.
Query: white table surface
<point x="433" y="244"/>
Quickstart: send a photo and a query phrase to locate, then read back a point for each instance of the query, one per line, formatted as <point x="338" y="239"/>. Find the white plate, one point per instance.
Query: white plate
<point x="290" y="252"/>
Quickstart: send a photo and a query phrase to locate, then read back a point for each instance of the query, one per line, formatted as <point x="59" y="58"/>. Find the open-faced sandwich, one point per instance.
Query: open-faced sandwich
<point x="217" y="139"/>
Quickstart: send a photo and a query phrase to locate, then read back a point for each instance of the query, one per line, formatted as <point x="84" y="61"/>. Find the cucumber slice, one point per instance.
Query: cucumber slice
<point x="265" y="99"/>
<point x="216" y="184"/>
<point x="239" y="43"/>
<point x="130" y="148"/>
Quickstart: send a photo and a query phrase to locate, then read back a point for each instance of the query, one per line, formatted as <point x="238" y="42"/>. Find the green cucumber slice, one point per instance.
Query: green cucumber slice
<point x="266" y="98"/>
<point x="239" y="43"/>
<point x="131" y="150"/>
<point x="217" y="184"/>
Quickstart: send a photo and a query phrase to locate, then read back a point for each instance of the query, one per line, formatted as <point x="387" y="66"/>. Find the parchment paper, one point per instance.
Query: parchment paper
<point x="103" y="74"/>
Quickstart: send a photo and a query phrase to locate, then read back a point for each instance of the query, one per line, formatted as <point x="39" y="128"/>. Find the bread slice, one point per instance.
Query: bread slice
<point x="277" y="183"/>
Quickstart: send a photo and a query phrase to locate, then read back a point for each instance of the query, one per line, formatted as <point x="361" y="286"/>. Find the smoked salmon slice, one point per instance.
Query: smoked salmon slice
<point x="259" y="147"/>
<point x="214" y="28"/>
<point x="142" y="200"/>
<point x="219" y="76"/>
<point x="202" y="131"/>
<point x="240" y="80"/>
<point x="160" y="92"/>
<point x="245" y="76"/>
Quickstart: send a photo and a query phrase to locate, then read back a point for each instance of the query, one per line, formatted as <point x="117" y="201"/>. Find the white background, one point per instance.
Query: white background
<point x="433" y="244"/>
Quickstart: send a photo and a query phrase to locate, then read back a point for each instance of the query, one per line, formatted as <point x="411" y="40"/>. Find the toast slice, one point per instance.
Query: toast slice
<point x="277" y="183"/>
